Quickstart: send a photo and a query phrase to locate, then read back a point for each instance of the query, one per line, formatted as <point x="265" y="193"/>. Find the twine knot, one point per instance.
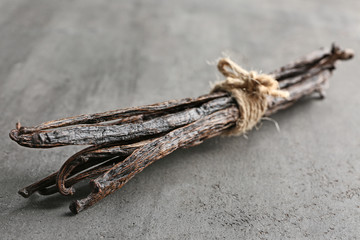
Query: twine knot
<point x="250" y="90"/>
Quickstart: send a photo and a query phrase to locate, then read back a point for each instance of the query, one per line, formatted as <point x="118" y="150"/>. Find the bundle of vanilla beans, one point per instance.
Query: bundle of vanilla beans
<point x="124" y="142"/>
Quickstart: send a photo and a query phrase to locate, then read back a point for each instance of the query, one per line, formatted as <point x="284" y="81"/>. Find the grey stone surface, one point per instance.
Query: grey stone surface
<point x="63" y="58"/>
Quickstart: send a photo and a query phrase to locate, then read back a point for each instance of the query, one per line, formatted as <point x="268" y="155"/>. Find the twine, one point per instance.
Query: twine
<point x="250" y="91"/>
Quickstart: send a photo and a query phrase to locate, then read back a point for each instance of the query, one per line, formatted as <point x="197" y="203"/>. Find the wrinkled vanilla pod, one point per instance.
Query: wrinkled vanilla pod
<point x="124" y="142"/>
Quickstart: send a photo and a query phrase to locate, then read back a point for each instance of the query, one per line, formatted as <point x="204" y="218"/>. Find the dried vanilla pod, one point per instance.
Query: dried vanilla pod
<point x="124" y="142"/>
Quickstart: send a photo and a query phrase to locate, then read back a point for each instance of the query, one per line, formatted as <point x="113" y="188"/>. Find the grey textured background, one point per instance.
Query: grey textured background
<point x="63" y="58"/>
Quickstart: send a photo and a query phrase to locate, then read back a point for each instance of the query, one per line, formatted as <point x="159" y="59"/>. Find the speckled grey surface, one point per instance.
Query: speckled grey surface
<point x="63" y="58"/>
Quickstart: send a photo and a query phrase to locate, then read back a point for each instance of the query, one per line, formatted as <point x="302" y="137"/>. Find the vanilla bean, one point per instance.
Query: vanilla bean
<point x="93" y="156"/>
<point x="51" y="179"/>
<point x="124" y="114"/>
<point x="93" y="172"/>
<point x="121" y="134"/>
<point x="154" y="131"/>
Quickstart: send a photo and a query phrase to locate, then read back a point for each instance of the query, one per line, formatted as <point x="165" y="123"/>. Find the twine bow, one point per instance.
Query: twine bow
<point x="250" y="90"/>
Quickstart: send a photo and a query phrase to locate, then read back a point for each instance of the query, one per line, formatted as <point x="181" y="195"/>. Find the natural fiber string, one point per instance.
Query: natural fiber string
<point x="250" y="90"/>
